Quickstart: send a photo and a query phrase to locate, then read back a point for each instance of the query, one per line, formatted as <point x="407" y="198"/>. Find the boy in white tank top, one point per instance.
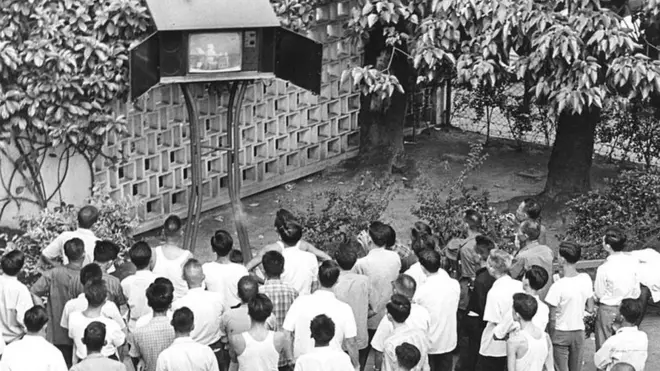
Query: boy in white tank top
<point x="168" y="259"/>
<point x="528" y="349"/>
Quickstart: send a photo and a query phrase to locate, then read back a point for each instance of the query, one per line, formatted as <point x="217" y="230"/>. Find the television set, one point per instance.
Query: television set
<point x="214" y="52"/>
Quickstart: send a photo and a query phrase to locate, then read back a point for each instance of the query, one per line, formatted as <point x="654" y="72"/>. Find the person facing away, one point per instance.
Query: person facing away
<point x="467" y="256"/>
<point x="622" y="366"/>
<point x="237" y="320"/>
<point x="323" y="357"/>
<point x="168" y="258"/>
<point x="144" y="320"/>
<point x="530" y="348"/>
<point x="418" y="231"/>
<point x="146" y="342"/>
<point x="353" y="289"/>
<point x="628" y="344"/>
<point x="405" y="253"/>
<point x="322" y="301"/>
<point x="94" y="339"/>
<point x="87" y="217"/>
<point x="616" y="279"/>
<point x="300" y="267"/>
<point x="134" y="286"/>
<point x="533" y="280"/>
<point x="398" y="312"/>
<point x="185" y="354"/>
<point x="532" y="253"/>
<point x="33" y="352"/>
<point x="259" y="348"/>
<point x="222" y="275"/>
<point x="530" y="209"/>
<point x="407" y="356"/>
<point x="15" y="297"/>
<point x="568" y="298"/>
<point x="421" y="243"/>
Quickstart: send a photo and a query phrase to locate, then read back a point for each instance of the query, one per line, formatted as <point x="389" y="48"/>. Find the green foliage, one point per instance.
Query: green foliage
<point x="631" y="201"/>
<point x="296" y="15"/>
<point x="116" y="222"/>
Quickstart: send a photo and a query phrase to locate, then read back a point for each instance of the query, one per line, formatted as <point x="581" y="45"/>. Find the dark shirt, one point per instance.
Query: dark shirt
<point x="482" y="284"/>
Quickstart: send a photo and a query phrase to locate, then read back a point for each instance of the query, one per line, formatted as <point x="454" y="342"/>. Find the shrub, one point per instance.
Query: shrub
<point x="116" y="222"/>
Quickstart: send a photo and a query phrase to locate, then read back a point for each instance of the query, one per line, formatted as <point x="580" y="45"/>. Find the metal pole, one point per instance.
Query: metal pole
<point x="195" y="200"/>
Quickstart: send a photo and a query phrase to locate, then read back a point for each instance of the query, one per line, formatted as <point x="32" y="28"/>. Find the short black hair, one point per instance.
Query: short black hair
<point x="328" y="273"/>
<point x="94" y="336"/>
<point x="105" y="251"/>
<point x="273" y="262"/>
<point x="90" y="272"/>
<point x="631" y="310"/>
<point x="406" y="284"/>
<point x="96" y="293"/>
<point x="346" y="257"/>
<point x="35" y="318"/>
<point x="159" y="297"/>
<point x="483" y="246"/>
<point x="140" y="254"/>
<point x="260" y="308"/>
<point x="12" y="262"/>
<point x="570" y="251"/>
<point x="399" y="308"/>
<point x="616" y="238"/>
<point x="172" y="226"/>
<point x="222" y="243"/>
<point x="290" y="232"/>
<point x="407" y="355"/>
<point x="525" y="305"/>
<point x="379" y="233"/>
<point x="87" y="216"/>
<point x="248" y="288"/>
<point x="183" y="320"/>
<point x="74" y="249"/>
<point x="323" y="329"/>
<point x="424" y="242"/>
<point x="532" y="208"/>
<point x="166" y="282"/>
<point x="531" y="229"/>
<point x="282" y="216"/>
<point x="236" y="256"/>
<point x="473" y="219"/>
<point x="390" y="239"/>
<point x="419" y="229"/>
<point x="537" y="276"/>
<point x="430" y="260"/>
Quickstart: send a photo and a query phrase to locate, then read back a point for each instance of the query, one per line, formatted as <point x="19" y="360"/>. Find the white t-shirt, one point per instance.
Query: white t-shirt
<point x="498" y="310"/>
<point x="56" y="248"/>
<point x="439" y="295"/>
<point x="135" y="289"/>
<point x="223" y="279"/>
<point x="324" y="359"/>
<point x="207" y="307"/>
<point x="569" y="295"/>
<point x="415" y="271"/>
<point x="114" y="335"/>
<point x="80" y="303"/>
<point x="300" y="269"/>
<point x="419" y="318"/>
<point x="32" y="353"/>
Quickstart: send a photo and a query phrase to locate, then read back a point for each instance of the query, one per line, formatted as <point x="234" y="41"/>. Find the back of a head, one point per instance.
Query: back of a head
<point x="222" y="243"/>
<point x="193" y="272"/>
<point x="282" y="216"/>
<point x="379" y="233"/>
<point x="94" y="336"/>
<point x="537" y="277"/>
<point x="406" y="285"/>
<point x="407" y="355"/>
<point x="290" y="232"/>
<point x="346" y="257"/>
<point x="183" y="320"/>
<point x="87" y="216"/>
<point x="616" y="238"/>
<point x="172" y="226"/>
<point x="273" y="263"/>
<point x="96" y="293"/>
<point x="90" y="272"/>
<point x="473" y="219"/>
<point x="74" y="249"/>
<point x="430" y="260"/>
<point x="531" y="229"/>
<point x="140" y="254"/>
<point x="390" y="237"/>
<point x="12" y="262"/>
<point x="532" y="208"/>
<point x="35" y="318"/>
<point x="165" y="282"/>
<point x="483" y="246"/>
<point x="159" y="297"/>
<point x="105" y="251"/>
<point x="260" y="308"/>
<point x="329" y="273"/>
<point x="570" y="251"/>
<point x="236" y="256"/>
<point x="399" y="308"/>
<point x="631" y="310"/>
<point x="248" y="288"/>
<point x="421" y="228"/>
<point x="322" y="329"/>
<point x="525" y="305"/>
<point x="424" y="242"/>
<point x="500" y="261"/>
<point x="622" y="366"/>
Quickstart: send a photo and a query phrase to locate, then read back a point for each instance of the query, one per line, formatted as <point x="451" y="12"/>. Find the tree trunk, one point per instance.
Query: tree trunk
<point x="572" y="155"/>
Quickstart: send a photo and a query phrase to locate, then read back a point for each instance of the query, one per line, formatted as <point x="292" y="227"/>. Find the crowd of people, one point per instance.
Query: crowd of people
<point x="293" y="307"/>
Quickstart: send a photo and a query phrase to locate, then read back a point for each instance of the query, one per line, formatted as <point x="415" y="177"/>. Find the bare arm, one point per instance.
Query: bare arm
<point x="256" y="261"/>
<point x="321" y="255"/>
<point x="591" y="305"/>
<point x="48" y="261"/>
<point x="378" y="360"/>
<point x="511" y="348"/>
<point x="288" y="344"/>
<point x="37" y="300"/>
<point x="350" y="345"/>
<point x="553" y="319"/>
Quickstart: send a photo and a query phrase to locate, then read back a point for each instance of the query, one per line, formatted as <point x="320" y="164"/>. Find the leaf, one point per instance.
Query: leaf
<point x="372" y="19"/>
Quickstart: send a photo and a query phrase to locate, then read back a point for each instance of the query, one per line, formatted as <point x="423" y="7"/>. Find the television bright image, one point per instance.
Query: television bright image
<point x="215" y="52"/>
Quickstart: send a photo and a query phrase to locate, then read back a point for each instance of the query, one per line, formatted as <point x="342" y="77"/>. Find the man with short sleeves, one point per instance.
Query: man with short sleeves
<point x="134" y="286"/>
<point x="15" y="298"/>
<point x="105" y="254"/>
<point x="222" y="275"/>
<point x="532" y="253"/>
<point x="398" y="312"/>
<point x="323" y="357"/>
<point x="323" y="301"/>
<point x="300" y="267"/>
<point x="87" y="216"/>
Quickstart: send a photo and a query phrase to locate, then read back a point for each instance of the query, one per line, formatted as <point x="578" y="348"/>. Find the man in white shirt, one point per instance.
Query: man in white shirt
<point x="498" y="311"/>
<point x="534" y="281"/>
<point x="628" y="344"/>
<point x="616" y="279"/>
<point x="15" y="297"/>
<point x="87" y="216"/>
<point x="185" y="353"/>
<point x="398" y="312"/>
<point x="300" y="267"/>
<point x="323" y="357"/>
<point x="222" y="275"/>
<point x="135" y="286"/>
<point x="439" y="295"/>
<point x="322" y="301"/>
<point x="33" y="352"/>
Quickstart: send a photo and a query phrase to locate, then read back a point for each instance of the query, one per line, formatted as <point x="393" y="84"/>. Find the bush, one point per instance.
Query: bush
<point x="116" y="222"/>
<point x="631" y="201"/>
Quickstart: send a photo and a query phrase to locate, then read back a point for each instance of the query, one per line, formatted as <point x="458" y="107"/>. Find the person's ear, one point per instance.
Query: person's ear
<point x="105" y="342"/>
<point x="192" y="328"/>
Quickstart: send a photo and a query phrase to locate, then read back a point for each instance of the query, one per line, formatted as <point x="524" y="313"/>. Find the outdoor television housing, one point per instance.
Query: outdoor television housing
<point x="221" y="40"/>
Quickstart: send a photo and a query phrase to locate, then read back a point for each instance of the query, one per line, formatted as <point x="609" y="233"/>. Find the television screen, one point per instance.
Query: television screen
<point x="215" y="52"/>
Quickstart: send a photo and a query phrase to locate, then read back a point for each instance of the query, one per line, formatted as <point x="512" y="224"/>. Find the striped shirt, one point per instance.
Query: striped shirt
<point x="282" y="296"/>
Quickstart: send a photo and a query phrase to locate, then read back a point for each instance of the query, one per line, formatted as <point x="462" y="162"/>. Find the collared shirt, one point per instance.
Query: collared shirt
<point x="15" y="300"/>
<point x="406" y="255"/>
<point x="439" y="295"/>
<point x="187" y="355"/>
<point x="617" y="279"/>
<point x="135" y="288"/>
<point x="115" y="292"/>
<point x="80" y="303"/>
<point x="629" y="345"/>
<point x="144" y="320"/>
<point x="32" y="353"/>
<point x="499" y="305"/>
<point x="416" y="273"/>
<point x="114" y="336"/>
<point x="282" y="296"/>
<point x="237" y="320"/>
<point x="534" y="254"/>
<point x="223" y="279"/>
<point x="353" y="289"/>
<point x="149" y="340"/>
<point x="56" y="248"/>
<point x="482" y="284"/>
<point x="411" y="335"/>
<point x="324" y="359"/>
<point x="470" y="260"/>
<point x="55" y="284"/>
<point x="306" y="307"/>
<point x="97" y="362"/>
<point x="569" y="295"/>
<point x="419" y="318"/>
<point x="208" y="308"/>
<point x="301" y="269"/>
<point x="649" y="274"/>
<point x="382" y="267"/>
